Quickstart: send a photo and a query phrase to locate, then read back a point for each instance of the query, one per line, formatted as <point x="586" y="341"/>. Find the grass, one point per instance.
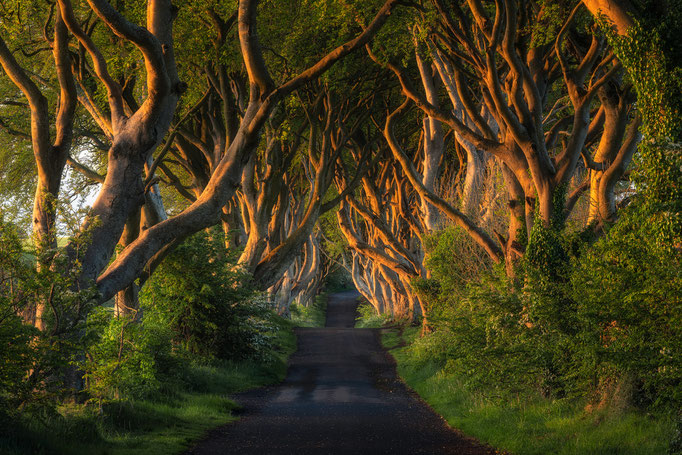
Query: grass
<point x="165" y="425"/>
<point x="314" y="315"/>
<point x="528" y="426"/>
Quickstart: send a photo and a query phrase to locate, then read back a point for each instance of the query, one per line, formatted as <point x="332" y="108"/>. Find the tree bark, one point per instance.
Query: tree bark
<point x="619" y="12"/>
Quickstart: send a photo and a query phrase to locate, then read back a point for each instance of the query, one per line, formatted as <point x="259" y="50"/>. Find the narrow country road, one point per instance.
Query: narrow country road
<point x="341" y="396"/>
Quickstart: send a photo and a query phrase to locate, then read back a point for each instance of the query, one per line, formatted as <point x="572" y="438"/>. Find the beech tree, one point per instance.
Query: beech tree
<point x="135" y="130"/>
<point x="263" y="97"/>
<point x="530" y="127"/>
<point x="515" y="89"/>
<point x="50" y="154"/>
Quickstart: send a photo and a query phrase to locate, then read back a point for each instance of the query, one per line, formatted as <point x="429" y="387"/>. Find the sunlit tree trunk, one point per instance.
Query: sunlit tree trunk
<point x="614" y="153"/>
<point x="619" y="12"/>
<point x="50" y="157"/>
<point x="433" y="143"/>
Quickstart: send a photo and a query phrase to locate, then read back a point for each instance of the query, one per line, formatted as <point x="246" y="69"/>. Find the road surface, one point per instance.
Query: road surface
<point x="341" y="396"/>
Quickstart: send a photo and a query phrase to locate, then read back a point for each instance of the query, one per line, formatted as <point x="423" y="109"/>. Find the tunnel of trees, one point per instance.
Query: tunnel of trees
<point x="506" y="175"/>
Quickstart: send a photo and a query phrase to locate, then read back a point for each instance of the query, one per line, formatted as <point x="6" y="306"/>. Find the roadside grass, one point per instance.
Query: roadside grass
<point x="314" y="315"/>
<point x="164" y="425"/>
<point x="528" y="426"/>
<point x="368" y="317"/>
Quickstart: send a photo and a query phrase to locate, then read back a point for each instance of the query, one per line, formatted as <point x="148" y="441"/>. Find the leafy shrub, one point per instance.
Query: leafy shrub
<point x="209" y="303"/>
<point x="598" y="320"/>
<point x="15" y="337"/>
<point x="311" y="316"/>
<point x="369" y="318"/>
<point x="629" y="289"/>
<point x="37" y="363"/>
<point x="480" y="334"/>
<point x="127" y="358"/>
<point x="197" y="307"/>
<point x="454" y="258"/>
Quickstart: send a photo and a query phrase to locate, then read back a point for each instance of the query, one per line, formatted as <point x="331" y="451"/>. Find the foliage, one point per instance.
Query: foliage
<point x="655" y="74"/>
<point x="523" y="424"/>
<point x="314" y="315"/>
<point x="594" y="320"/>
<point x="166" y="423"/>
<point x="369" y="318"/>
<point x="15" y="336"/>
<point x="676" y="443"/>
<point x="36" y="363"/>
<point x="213" y="310"/>
<point x="338" y="279"/>
<point x="579" y="318"/>
<point x="142" y="374"/>
<point x="629" y="304"/>
<point x="127" y="358"/>
<point x="598" y="320"/>
<point x="451" y="252"/>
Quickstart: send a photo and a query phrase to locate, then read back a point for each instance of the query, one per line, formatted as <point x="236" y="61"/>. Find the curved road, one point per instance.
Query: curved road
<point x="341" y="396"/>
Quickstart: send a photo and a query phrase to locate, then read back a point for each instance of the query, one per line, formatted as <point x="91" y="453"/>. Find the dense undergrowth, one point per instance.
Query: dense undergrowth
<point x="163" y="424"/>
<point x="153" y="384"/>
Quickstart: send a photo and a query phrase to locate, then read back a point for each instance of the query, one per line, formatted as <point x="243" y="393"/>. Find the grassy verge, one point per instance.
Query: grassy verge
<point x="528" y="426"/>
<point x="314" y="315"/>
<point x="164" y="425"/>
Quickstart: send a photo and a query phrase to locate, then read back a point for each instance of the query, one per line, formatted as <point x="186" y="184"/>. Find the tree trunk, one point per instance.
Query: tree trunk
<point x="127" y="303"/>
<point x="619" y="12"/>
<point x="433" y="144"/>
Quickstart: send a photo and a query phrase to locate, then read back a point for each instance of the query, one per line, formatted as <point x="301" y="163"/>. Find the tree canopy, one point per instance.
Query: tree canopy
<point x="502" y="171"/>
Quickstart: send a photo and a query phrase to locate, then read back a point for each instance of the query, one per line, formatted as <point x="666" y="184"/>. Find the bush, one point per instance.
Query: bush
<point x="197" y="307"/>
<point x="208" y="303"/>
<point x="314" y="315"/>
<point x="454" y="259"/>
<point x="36" y="363"/>
<point x="629" y="290"/>
<point x="369" y="318"/>
<point x="15" y="337"/>
<point x="597" y="320"/>
<point x="127" y="358"/>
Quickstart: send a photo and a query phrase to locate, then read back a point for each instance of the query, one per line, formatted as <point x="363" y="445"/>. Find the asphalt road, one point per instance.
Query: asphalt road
<point x="341" y="396"/>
